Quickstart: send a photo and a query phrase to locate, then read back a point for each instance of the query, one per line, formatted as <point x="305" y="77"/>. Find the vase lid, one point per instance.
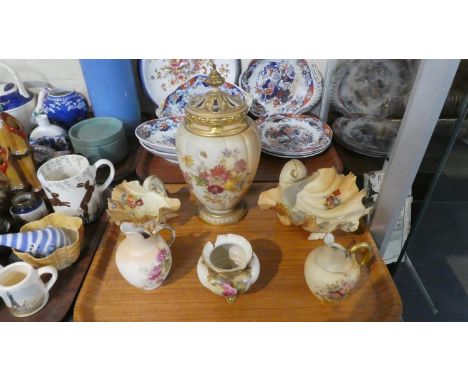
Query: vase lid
<point x="216" y="113"/>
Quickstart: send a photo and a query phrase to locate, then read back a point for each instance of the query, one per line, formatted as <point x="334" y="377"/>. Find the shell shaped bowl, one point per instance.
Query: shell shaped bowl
<point x="62" y="257"/>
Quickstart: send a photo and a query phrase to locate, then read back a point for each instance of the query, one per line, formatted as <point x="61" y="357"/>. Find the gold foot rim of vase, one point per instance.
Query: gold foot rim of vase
<point x="227" y="218"/>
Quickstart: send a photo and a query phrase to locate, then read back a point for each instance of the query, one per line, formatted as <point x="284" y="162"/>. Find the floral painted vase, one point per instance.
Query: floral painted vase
<point x="218" y="148"/>
<point x="63" y="107"/>
<point x="332" y="272"/>
<point x="229" y="267"/>
<point x="143" y="258"/>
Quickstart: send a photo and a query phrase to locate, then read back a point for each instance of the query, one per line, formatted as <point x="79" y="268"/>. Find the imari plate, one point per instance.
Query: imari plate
<point x="175" y="103"/>
<point x="282" y="86"/>
<point x="368" y="135"/>
<point x="161" y="77"/>
<point x="371" y="87"/>
<point x="293" y="136"/>
<point x="159" y="134"/>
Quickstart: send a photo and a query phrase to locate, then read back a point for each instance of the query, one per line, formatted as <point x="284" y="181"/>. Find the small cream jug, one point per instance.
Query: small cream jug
<point x="332" y="272"/>
<point x="22" y="289"/>
<point x="143" y="258"/>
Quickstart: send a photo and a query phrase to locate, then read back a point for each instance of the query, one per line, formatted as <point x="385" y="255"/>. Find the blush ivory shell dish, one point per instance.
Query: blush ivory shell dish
<point x="319" y="203"/>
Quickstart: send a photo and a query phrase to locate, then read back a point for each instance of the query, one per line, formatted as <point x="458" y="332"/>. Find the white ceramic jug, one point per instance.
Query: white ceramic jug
<point x="332" y="271"/>
<point x="144" y="258"/>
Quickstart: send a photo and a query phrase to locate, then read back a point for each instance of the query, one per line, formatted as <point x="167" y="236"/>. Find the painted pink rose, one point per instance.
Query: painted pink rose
<point x="215" y="189"/>
<point x="229" y="291"/>
<point x="240" y="165"/>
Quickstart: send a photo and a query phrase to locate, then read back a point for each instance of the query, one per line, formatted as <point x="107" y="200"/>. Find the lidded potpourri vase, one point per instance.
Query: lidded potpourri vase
<point x="218" y="148"/>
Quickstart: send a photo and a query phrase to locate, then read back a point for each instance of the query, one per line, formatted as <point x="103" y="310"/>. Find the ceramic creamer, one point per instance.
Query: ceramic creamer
<point x="143" y="258"/>
<point x="332" y="272"/>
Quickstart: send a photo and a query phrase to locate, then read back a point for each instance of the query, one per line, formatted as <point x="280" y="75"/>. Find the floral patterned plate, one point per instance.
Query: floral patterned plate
<point x="161" y="77"/>
<point x="282" y="86"/>
<point x="175" y="103"/>
<point x="159" y="134"/>
<point x="367" y="135"/>
<point x="293" y="136"/>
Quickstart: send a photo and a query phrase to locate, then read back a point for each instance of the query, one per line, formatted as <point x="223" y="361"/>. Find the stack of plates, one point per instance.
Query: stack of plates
<point x="158" y="137"/>
<point x="293" y="136"/>
<point x="367" y="135"/>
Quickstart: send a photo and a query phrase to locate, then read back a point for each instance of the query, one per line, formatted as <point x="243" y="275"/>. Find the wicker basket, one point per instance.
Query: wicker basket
<point x="62" y="257"/>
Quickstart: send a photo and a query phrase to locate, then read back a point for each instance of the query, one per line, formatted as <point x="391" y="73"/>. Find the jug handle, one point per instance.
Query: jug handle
<point x="368" y="252"/>
<point x="110" y="178"/>
<point x="5" y="298"/>
<point x="16" y="79"/>
<point x="53" y="272"/>
<point x="159" y="228"/>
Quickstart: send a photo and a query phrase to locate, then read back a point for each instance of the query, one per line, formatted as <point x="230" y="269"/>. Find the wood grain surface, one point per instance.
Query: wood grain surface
<point x="280" y="293"/>
<point x="63" y="293"/>
<point x="268" y="169"/>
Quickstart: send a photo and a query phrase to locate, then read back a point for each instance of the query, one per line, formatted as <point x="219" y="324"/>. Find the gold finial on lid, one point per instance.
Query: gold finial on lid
<point x="214" y="79"/>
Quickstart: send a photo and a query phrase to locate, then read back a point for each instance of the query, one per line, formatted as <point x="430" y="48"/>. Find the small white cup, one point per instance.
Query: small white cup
<point x="22" y="289"/>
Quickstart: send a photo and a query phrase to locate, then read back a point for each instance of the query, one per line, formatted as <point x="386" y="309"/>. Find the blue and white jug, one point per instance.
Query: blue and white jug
<point x="39" y="243"/>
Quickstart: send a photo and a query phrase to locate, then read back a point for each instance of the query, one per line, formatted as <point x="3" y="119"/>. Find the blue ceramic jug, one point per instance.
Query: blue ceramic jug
<point x="63" y="107"/>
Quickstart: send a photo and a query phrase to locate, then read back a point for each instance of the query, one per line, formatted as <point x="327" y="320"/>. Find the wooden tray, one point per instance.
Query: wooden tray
<point x="63" y="293"/>
<point x="280" y="293"/>
<point x="268" y="169"/>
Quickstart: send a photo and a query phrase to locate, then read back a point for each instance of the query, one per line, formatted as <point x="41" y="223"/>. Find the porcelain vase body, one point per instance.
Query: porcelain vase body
<point x="144" y="260"/>
<point x="219" y="170"/>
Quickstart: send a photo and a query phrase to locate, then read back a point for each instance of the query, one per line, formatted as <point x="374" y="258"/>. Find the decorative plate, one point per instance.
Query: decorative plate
<point x="175" y="103"/>
<point x="293" y="136"/>
<point x="161" y="77"/>
<point x="282" y="86"/>
<point x="159" y="134"/>
<point x="167" y="156"/>
<point x="368" y="135"/>
<point x="372" y="87"/>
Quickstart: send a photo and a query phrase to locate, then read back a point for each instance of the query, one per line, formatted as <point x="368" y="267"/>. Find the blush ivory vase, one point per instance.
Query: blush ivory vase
<point x="218" y="149"/>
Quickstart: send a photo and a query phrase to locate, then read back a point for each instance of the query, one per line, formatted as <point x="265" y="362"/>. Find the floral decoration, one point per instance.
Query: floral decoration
<point x="176" y="71"/>
<point x="221" y="183"/>
<point x="335" y="291"/>
<point x="293" y="134"/>
<point x="159" y="271"/>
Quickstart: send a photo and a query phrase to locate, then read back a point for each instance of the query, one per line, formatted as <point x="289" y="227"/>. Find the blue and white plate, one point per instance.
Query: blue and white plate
<point x="170" y="157"/>
<point x="159" y="134"/>
<point x="293" y="136"/>
<point x="282" y="86"/>
<point x="161" y="77"/>
<point x="175" y="103"/>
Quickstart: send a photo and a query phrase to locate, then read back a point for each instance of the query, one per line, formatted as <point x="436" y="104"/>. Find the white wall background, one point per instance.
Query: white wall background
<point x="67" y="74"/>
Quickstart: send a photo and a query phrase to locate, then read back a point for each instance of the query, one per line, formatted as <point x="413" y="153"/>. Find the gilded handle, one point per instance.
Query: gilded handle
<point x="368" y="252"/>
<point x="169" y="228"/>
